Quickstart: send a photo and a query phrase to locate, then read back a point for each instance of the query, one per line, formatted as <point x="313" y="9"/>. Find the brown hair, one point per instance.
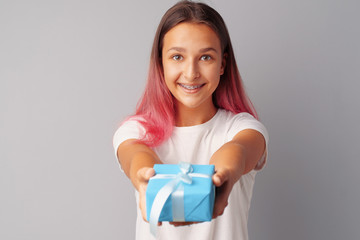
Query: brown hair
<point x="187" y="11"/>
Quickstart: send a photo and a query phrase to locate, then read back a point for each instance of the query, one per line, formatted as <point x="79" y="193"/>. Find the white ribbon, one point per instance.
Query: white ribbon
<point x="176" y="190"/>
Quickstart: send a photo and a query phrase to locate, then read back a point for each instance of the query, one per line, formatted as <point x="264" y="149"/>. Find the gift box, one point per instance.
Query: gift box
<point x="180" y="193"/>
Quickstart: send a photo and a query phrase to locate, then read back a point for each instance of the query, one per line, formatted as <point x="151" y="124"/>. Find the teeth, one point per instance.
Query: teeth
<point x="190" y="87"/>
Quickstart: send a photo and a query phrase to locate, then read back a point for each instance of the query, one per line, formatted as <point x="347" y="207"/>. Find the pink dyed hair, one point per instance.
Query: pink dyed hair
<point x="155" y="110"/>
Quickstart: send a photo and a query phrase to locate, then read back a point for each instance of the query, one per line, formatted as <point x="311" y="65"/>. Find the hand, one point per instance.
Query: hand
<point x="179" y="224"/>
<point x="142" y="177"/>
<point x="224" y="184"/>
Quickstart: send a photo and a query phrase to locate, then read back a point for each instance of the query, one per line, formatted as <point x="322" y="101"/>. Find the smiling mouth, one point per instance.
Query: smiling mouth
<point x="191" y="87"/>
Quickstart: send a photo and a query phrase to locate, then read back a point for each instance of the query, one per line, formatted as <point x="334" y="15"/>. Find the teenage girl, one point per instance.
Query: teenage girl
<point x="194" y="109"/>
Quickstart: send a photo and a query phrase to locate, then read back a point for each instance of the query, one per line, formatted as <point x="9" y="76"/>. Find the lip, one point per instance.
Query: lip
<point x="194" y="88"/>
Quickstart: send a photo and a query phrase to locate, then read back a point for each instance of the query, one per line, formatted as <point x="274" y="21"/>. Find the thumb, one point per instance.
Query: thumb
<point x="149" y="173"/>
<point x="221" y="175"/>
<point x="144" y="174"/>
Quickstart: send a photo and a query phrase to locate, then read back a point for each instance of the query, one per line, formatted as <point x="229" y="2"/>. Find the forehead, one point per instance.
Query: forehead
<point x="191" y="35"/>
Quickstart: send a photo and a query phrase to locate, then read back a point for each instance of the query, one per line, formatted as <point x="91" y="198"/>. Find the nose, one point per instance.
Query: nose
<point x="191" y="70"/>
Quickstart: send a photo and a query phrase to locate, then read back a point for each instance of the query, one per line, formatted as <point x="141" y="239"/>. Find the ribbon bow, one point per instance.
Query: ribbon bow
<point x="176" y="190"/>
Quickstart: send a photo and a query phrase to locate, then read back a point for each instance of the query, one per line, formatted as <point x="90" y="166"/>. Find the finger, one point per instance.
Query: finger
<point x="221" y="202"/>
<point x="223" y="189"/>
<point x="179" y="224"/>
<point x="220" y="177"/>
<point x="218" y="213"/>
<point x="219" y="208"/>
<point x="144" y="218"/>
<point x="150" y="172"/>
<point x="222" y="194"/>
<point x="142" y="206"/>
<point x="144" y="174"/>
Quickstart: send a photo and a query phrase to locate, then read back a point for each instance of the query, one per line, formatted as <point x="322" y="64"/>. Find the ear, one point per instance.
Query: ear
<point x="223" y="64"/>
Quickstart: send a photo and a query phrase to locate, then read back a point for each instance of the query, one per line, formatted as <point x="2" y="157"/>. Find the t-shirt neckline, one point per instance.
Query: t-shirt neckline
<point x="199" y="126"/>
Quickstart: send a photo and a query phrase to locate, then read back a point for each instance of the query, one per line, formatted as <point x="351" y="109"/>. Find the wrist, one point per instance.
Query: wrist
<point x="231" y="156"/>
<point x="139" y="162"/>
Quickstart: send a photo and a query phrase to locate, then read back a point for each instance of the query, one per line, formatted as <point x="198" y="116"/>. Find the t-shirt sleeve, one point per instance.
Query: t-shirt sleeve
<point x="244" y="121"/>
<point x="130" y="129"/>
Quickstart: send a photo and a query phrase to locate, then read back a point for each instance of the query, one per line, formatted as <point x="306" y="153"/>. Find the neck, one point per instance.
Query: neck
<point x="193" y="116"/>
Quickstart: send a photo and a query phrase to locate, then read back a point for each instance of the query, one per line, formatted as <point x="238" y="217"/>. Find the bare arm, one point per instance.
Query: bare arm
<point x="137" y="161"/>
<point x="232" y="160"/>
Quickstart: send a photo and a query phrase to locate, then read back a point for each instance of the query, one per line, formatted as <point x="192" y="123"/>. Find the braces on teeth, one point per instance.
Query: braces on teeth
<point x="190" y="87"/>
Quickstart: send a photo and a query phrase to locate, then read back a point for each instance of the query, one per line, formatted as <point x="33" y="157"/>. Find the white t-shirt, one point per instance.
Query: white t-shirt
<point x="196" y="144"/>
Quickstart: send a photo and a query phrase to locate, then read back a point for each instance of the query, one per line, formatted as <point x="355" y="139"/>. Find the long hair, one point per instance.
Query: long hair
<point x="156" y="109"/>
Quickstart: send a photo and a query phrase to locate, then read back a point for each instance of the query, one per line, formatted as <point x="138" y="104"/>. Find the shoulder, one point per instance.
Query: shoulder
<point x="236" y="122"/>
<point x="132" y="124"/>
<point x="131" y="128"/>
<point x="241" y="121"/>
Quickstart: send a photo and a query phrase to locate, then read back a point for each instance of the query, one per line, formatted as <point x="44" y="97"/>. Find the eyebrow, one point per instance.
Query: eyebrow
<point x="202" y="50"/>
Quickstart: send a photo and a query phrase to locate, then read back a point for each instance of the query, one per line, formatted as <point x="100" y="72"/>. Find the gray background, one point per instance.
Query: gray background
<point x="70" y="71"/>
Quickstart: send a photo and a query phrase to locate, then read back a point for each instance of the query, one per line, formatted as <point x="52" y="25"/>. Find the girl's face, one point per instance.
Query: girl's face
<point x="192" y="63"/>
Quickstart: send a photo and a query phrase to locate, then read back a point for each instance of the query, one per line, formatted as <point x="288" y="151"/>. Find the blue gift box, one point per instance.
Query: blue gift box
<point x="192" y="195"/>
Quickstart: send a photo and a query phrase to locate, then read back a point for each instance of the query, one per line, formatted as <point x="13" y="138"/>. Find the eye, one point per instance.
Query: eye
<point x="177" y="57"/>
<point x="206" y="58"/>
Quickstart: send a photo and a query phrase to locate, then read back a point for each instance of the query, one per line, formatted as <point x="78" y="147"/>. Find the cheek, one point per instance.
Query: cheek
<point x="170" y="74"/>
<point x="165" y="73"/>
<point x="213" y="74"/>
